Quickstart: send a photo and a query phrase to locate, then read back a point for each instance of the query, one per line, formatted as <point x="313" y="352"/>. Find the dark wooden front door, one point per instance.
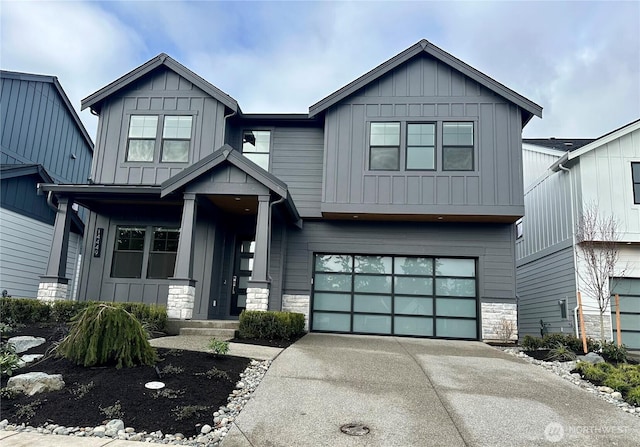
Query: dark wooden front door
<point x="243" y="266"/>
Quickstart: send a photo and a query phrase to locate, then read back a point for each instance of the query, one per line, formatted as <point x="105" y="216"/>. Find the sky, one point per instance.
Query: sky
<point x="580" y="61"/>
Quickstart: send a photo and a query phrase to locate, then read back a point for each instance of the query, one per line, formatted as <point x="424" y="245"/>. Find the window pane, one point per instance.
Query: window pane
<point x="165" y="239"/>
<point x="140" y="150"/>
<point x="242" y="300"/>
<point x="384" y="158"/>
<point x="256" y="141"/>
<point x="372" y="303"/>
<point x="248" y="247"/>
<point x="337" y="283"/>
<point x="372" y="264"/>
<point x="333" y="263"/>
<point x="126" y="264"/>
<point x="457" y="134"/>
<point x="331" y="322"/>
<point x="413" y="266"/>
<point x="375" y="284"/>
<point x="376" y="324"/>
<point x="261" y="160"/>
<point x="457" y="158"/>
<point x="413" y="306"/>
<point x="177" y="127"/>
<point x="413" y="326"/>
<point x="161" y="265"/>
<point x="421" y="134"/>
<point x="421" y="157"/>
<point x="246" y="264"/>
<point x="455" y="307"/>
<point x="175" y="151"/>
<point x="332" y="301"/>
<point x="143" y="126"/>
<point x="385" y="134"/>
<point x="456" y="328"/>
<point x="636" y="193"/>
<point x="413" y="286"/>
<point x="455" y="267"/>
<point x="455" y="287"/>
<point x="635" y="170"/>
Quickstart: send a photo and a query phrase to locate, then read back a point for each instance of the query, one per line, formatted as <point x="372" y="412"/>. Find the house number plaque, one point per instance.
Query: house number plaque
<point x="97" y="243"/>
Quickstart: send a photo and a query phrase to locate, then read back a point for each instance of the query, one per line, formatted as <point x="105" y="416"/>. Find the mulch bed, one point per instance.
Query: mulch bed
<point x="197" y="384"/>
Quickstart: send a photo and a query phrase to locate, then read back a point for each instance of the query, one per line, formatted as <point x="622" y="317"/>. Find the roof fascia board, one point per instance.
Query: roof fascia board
<point x="31" y="77"/>
<point x="268" y="180"/>
<point x="22" y="171"/>
<point x="443" y="56"/>
<point x="543" y="150"/>
<point x="96" y="189"/>
<point x="605" y="139"/>
<point x="148" y="67"/>
<point x="194" y="171"/>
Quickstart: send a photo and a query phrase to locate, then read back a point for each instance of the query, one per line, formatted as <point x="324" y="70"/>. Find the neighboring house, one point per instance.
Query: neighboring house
<point x="388" y="209"/>
<point x="43" y="141"/>
<point x="606" y="173"/>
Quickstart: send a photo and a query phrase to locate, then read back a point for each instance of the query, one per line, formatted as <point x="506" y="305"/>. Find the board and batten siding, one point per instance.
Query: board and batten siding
<point x="536" y="161"/>
<point x="37" y="128"/>
<point x="24" y="251"/>
<point x="162" y="92"/>
<point x="424" y="90"/>
<point x="492" y="244"/>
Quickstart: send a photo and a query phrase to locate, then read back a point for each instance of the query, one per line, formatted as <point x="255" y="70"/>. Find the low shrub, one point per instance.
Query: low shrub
<point x="530" y="343"/>
<point x="271" y="325"/>
<point x="595" y="373"/>
<point x="64" y="310"/>
<point x="633" y="396"/>
<point x="152" y="316"/>
<point x="102" y="334"/>
<point x="218" y="347"/>
<point x="9" y="360"/>
<point x="561" y="353"/>
<point x="614" y="353"/>
<point x="24" y="310"/>
<point x="616" y="380"/>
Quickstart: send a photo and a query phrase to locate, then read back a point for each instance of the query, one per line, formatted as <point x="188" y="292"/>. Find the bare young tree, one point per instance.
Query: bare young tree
<point x="597" y="239"/>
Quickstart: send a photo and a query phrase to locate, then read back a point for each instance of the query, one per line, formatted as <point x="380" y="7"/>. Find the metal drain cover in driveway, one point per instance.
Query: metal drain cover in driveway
<point x="354" y="429"/>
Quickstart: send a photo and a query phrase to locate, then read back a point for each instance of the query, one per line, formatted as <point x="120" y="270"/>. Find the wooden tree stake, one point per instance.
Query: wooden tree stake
<point x="618" y="332"/>
<point x="583" y="332"/>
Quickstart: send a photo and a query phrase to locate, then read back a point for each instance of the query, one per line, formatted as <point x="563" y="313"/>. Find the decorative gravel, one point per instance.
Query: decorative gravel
<point x="563" y="369"/>
<point x="212" y="431"/>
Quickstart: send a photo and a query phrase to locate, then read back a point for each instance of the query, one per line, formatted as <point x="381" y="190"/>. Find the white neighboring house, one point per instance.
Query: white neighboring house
<point x="563" y="177"/>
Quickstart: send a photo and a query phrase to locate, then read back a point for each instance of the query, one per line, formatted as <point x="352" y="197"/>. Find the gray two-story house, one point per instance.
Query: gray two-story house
<point x="388" y="209"/>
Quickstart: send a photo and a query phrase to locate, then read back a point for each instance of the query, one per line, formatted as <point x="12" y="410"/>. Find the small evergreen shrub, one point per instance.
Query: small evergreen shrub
<point x="616" y="380"/>
<point x="218" y="347"/>
<point x="633" y="396"/>
<point x="271" y="325"/>
<point x="24" y="310"/>
<point x="64" y="310"/>
<point x="530" y="343"/>
<point x="103" y="334"/>
<point x="614" y="353"/>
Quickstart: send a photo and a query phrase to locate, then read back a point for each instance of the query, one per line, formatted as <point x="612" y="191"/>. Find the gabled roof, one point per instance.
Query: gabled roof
<point x="8" y="171"/>
<point x="94" y="100"/>
<point x="528" y="107"/>
<point x="604" y="139"/>
<point x="226" y="154"/>
<point x="29" y="77"/>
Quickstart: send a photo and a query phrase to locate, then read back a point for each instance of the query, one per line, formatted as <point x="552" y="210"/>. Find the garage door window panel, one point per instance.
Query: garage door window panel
<point x="413" y="326"/>
<point x="334" y="263"/>
<point x="372" y="324"/>
<point x="455" y="267"/>
<point x="333" y="322"/>
<point x="371" y="283"/>
<point x="456" y="307"/>
<point x="413" y="306"/>
<point x="456" y="328"/>
<point x="373" y="264"/>
<point x="372" y="304"/>
<point x="455" y="287"/>
<point x="332" y="282"/>
<point x="413" y="266"/>
<point x="413" y="286"/>
<point x="339" y="302"/>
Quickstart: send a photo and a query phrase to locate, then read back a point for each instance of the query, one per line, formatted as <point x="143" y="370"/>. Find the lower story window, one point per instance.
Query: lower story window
<point x="137" y="246"/>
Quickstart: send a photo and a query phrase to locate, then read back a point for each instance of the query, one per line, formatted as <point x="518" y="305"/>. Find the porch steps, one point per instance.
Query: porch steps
<point x="221" y="329"/>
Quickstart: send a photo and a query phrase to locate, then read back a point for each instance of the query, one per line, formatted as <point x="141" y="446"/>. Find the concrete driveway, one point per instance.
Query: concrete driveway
<point x="415" y="392"/>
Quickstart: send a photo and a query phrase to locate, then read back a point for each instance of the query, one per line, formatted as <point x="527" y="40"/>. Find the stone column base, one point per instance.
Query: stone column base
<point x="298" y="304"/>
<point x="52" y="289"/>
<point x="180" y="301"/>
<point x="257" y="299"/>
<point x="499" y="322"/>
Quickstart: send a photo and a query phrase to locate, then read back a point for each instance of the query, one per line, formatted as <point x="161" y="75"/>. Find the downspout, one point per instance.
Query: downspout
<point x="50" y="201"/>
<point x="573" y="246"/>
<point x="224" y="122"/>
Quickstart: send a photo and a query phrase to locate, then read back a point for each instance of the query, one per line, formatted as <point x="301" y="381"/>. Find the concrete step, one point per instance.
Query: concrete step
<point x="219" y="333"/>
<point x="174" y="327"/>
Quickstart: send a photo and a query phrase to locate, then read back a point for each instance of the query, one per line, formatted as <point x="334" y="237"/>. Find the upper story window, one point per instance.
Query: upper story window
<point x="143" y="144"/>
<point x="457" y="146"/>
<point x="519" y="229"/>
<point x="635" y="175"/>
<point x="137" y="246"/>
<point x="256" y="145"/>
<point x="384" y="147"/>
<point x="421" y="146"/>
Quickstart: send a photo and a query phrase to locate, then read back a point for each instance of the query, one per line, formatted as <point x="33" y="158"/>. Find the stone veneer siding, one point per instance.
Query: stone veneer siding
<point x="592" y="325"/>
<point x="180" y="301"/>
<point x="52" y="291"/>
<point x="298" y="304"/>
<point x="257" y="299"/>
<point x="493" y="315"/>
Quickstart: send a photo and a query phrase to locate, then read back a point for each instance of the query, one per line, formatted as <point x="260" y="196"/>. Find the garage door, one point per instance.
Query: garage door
<point x="629" y="291"/>
<point x="395" y="295"/>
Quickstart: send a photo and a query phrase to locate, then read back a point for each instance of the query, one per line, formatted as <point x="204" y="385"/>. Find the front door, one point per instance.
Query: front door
<point x="243" y="266"/>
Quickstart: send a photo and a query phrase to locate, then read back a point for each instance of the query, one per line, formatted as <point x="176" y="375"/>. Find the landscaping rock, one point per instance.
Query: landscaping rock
<point x="616" y="395"/>
<point x="605" y="389"/>
<point x="35" y="382"/>
<point x="591" y="357"/>
<point x="28" y="358"/>
<point x="113" y="426"/>
<point x="25" y="342"/>
<point x="206" y="428"/>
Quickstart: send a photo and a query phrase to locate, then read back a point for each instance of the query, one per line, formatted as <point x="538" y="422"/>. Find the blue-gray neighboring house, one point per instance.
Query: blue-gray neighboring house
<point x="389" y="208"/>
<point x="43" y="141"/>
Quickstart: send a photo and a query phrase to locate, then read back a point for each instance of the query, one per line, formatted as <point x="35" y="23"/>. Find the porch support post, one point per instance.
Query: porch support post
<point x="182" y="288"/>
<point x="258" y="290"/>
<point x="53" y="285"/>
